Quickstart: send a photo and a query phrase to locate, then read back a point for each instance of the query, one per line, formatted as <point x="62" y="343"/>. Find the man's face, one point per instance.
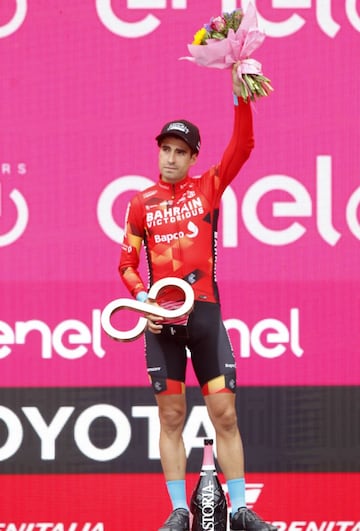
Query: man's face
<point x="175" y="159"/>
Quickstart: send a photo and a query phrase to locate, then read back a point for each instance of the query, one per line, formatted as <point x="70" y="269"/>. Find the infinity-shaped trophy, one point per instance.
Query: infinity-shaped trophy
<point x="146" y="308"/>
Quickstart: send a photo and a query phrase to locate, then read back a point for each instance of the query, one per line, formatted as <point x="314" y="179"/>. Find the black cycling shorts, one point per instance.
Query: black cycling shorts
<point x="207" y="340"/>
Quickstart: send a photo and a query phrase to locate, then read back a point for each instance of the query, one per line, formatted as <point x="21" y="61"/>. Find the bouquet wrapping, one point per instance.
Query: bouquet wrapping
<point x="232" y="38"/>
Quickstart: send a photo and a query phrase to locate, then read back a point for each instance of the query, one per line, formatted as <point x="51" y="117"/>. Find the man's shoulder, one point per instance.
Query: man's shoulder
<point x="207" y="175"/>
<point x="149" y="191"/>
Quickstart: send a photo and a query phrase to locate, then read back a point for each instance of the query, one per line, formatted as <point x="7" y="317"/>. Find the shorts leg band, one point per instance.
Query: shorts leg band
<point x="165" y="386"/>
<point x="220" y="384"/>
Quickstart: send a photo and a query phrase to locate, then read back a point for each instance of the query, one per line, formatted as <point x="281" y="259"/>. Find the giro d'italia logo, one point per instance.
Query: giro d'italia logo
<point x="8" y="203"/>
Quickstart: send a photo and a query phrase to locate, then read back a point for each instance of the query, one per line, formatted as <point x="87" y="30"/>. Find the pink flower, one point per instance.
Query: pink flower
<point x="218" y="23"/>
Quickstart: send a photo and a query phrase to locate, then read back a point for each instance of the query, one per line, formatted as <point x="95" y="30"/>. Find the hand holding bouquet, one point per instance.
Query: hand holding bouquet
<point x="230" y="39"/>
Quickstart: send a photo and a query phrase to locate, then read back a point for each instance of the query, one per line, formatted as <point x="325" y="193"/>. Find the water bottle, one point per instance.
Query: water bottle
<point x="208" y="503"/>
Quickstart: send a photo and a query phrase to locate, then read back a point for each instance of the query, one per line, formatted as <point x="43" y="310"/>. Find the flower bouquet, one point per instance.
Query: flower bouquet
<point x="228" y="39"/>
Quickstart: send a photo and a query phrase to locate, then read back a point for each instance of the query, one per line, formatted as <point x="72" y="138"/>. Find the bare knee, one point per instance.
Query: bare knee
<point x="226" y="420"/>
<point x="222" y="413"/>
<point x="172" y="414"/>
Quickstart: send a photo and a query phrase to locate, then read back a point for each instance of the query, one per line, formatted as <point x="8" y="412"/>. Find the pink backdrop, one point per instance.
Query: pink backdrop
<point x="84" y="88"/>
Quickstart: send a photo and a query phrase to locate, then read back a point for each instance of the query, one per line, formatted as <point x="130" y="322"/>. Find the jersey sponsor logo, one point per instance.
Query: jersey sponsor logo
<point x="193" y="231"/>
<point x="126" y="248"/>
<point x="174" y="214"/>
<point x="192" y="277"/>
<point x="168" y="238"/>
<point x="163" y="204"/>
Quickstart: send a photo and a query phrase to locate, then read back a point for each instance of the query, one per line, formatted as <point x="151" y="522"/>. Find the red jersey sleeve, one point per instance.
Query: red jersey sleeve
<point x="241" y="143"/>
<point x="131" y="247"/>
<point x="239" y="147"/>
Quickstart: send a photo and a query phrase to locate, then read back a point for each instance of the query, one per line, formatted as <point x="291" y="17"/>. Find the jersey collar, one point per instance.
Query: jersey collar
<point x="174" y="187"/>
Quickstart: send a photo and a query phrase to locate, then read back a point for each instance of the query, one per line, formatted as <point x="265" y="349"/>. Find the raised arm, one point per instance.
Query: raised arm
<point x="242" y="139"/>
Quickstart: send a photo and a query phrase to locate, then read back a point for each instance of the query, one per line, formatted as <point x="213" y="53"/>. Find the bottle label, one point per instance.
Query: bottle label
<point x="208" y="507"/>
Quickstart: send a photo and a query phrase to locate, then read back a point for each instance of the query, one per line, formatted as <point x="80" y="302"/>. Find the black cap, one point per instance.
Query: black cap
<point x="184" y="130"/>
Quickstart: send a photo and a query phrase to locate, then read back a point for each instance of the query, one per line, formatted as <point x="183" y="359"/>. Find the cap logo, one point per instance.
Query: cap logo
<point x="178" y="126"/>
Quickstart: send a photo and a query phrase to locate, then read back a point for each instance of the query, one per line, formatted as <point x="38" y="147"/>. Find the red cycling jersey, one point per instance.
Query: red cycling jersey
<point x="178" y="222"/>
